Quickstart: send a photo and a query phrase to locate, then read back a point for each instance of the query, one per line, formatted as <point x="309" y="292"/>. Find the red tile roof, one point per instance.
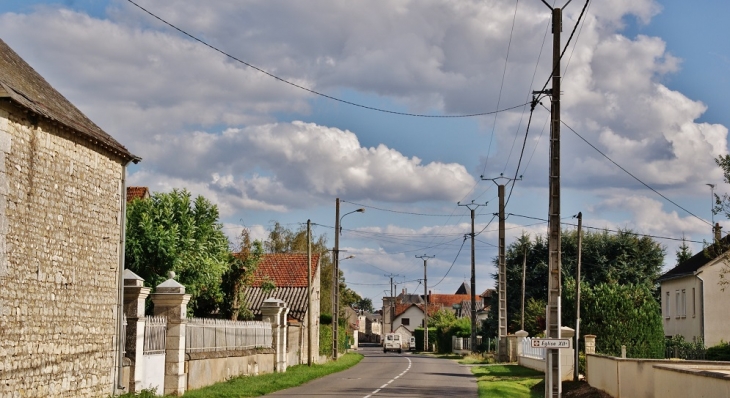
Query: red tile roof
<point x="447" y="300"/>
<point x="284" y="269"/>
<point x="137" y="193"/>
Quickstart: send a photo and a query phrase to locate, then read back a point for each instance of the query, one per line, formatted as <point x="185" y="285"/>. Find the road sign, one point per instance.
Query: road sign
<point x="551" y="343"/>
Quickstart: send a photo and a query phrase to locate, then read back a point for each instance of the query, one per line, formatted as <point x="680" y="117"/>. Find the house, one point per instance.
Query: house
<point x="284" y="276"/>
<point x="137" y="193"/>
<point x="694" y="304"/>
<point x="408" y="309"/>
<point x="62" y="213"/>
<point x="370" y="327"/>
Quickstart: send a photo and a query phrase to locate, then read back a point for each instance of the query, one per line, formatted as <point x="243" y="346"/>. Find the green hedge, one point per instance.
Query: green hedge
<point x="720" y="352"/>
<point x="418" y="334"/>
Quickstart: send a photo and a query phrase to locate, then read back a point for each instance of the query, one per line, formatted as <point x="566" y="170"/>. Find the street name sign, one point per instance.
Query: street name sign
<point x="551" y="343"/>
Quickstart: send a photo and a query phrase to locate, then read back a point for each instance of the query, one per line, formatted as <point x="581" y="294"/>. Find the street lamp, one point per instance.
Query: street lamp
<point x="336" y="276"/>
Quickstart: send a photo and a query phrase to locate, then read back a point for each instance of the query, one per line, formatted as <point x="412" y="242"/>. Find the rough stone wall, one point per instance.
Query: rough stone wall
<point x="59" y="258"/>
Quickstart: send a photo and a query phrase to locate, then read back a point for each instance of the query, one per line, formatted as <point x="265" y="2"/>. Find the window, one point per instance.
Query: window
<point x="405" y="321"/>
<point x="694" y="304"/>
<point x="667" y="313"/>
<point x="683" y="309"/>
<point x="678" y="308"/>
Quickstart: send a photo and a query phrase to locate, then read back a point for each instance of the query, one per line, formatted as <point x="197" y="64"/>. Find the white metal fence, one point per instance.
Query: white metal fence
<point x="204" y="334"/>
<point x="529" y="351"/>
<point x="155" y="330"/>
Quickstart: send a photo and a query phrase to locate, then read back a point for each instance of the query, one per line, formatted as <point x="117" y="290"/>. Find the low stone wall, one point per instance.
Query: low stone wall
<point x="566" y="363"/>
<point x="207" y="368"/>
<point x="630" y="377"/>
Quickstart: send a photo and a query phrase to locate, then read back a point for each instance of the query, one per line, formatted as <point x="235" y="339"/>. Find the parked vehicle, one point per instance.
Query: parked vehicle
<point x="392" y="342"/>
<point x="412" y="344"/>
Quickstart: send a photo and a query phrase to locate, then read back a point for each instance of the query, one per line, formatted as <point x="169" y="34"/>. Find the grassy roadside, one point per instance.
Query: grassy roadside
<point x="507" y="381"/>
<point x="254" y="386"/>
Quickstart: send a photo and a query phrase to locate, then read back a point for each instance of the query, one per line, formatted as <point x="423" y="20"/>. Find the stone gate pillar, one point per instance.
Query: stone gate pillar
<point x="275" y="311"/>
<point x="171" y="301"/>
<point x="521" y="336"/>
<point x="590" y="343"/>
<point x="135" y="295"/>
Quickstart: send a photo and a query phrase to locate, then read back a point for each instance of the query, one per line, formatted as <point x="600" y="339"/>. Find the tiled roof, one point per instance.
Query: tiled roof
<point x="466" y="307"/>
<point x="697" y="261"/>
<point x="447" y="300"/>
<point x="24" y="86"/>
<point x="294" y="297"/>
<point x="401" y="308"/>
<point x="488" y="293"/>
<point x="137" y="193"/>
<point x="284" y="269"/>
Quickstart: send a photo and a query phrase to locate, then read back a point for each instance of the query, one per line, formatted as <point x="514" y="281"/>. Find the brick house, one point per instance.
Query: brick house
<point x="61" y="242"/>
<point x="288" y="273"/>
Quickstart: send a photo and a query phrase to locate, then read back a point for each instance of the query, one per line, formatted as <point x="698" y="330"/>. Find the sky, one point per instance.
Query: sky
<point x="273" y="109"/>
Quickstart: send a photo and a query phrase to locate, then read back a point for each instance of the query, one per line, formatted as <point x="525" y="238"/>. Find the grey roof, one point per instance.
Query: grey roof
<point x="21" y="84"/>
<point x="694" y="263"/>
<point x="294" y="297"/>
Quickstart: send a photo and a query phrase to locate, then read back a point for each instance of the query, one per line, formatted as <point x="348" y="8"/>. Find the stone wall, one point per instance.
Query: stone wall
<point x="59" y="258"/>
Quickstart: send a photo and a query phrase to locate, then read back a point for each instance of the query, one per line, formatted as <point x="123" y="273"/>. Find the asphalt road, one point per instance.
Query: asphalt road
<point x="381" y="375"/>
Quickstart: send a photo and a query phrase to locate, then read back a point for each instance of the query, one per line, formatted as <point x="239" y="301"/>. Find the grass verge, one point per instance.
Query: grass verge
<point x="254" y="386"/>
<point x="507" y="381"/>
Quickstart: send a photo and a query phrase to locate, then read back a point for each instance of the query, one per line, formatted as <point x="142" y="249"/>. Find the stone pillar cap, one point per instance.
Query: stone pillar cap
<point x="170" y="286"/>
<point x="521" y="333"/>
<point x="132" y="279"/>
<point x="273" y="302"/>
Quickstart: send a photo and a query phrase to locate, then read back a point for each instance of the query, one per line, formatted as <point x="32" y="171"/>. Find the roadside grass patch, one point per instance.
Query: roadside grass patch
<point x="478" y="358"/>
<point x="508" y="381"/>
<point x="254" y="386"/>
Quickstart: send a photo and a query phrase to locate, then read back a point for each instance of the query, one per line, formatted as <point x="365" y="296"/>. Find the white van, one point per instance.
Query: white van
<point x="392" y="342"/>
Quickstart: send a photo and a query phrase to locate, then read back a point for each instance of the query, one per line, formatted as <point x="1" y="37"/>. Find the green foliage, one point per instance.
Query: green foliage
<point x="242" y="266"/>
<point x="365" y="304"/>
<point x="720" y="352"/>
<point x="325" y="339"/>
<point x="619" y="315"/>
<point x="678" y="347"/>
<point x="683" y="253"/>
<point x="146" y="393"/>
<point x="418" y="333"/>
<point x="171" y="232"/>
<point x="325" y="319"/>
<point x="614" y="258"/>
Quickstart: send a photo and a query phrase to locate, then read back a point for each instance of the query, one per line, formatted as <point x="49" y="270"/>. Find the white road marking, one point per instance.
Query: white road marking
<point x="391" y="380"/>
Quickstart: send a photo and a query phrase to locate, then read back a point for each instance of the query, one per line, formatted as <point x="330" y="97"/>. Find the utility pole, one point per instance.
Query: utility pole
<point x="553" y="386"/>
<point x="336" y="277"/>
<point x="503" y="355"/>
<point x="392" y="303"/>
<point x="472" y="207"/>
<point x="577" y="295"/>
<point x="524" y="268"/>
<point x="425" y="294"/>
<point x="336" y="283"/>
<point x="309" y="293"/>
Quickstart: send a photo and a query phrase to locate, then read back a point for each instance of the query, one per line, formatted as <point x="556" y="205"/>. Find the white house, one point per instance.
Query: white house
<point x="694" y="304"/>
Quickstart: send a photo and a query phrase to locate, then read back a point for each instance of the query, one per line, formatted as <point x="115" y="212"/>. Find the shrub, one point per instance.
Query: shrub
<point x="720" y="352"/>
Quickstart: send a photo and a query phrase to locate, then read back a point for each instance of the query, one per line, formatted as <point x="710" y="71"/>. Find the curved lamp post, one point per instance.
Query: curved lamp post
<point x="336" y="277"/>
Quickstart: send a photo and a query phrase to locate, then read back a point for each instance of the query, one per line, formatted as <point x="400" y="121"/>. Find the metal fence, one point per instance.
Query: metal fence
<point x="155" y="330"/>
<point x="532" y="352"/>
<point x="204" y="334"/>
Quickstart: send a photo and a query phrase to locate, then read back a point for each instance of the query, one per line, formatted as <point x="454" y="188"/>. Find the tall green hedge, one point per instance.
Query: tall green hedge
<point x="618" y="315"/>
<point x="418" y="334"/>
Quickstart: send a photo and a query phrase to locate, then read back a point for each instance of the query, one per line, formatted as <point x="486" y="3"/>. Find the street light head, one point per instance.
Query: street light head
<point x="360" y="210"/>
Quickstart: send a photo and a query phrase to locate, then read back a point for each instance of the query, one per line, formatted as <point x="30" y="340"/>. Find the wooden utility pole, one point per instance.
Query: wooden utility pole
<point x="309" y="293"/>
<point x="425" y="294"/>
<point x="524" y="268"/>
<point x="472" y="207"/>
<point x="336" y="283"/>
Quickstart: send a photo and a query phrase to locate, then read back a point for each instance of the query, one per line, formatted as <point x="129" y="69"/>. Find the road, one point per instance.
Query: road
<point x="381" y="375"/>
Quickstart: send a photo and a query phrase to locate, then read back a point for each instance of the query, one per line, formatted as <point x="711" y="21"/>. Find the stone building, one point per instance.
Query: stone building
<point x="61" y="242"/>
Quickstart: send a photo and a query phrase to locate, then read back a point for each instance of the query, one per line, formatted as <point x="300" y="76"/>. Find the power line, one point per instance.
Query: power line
<point x="633" y="176"/>
<point x="452" y="264"/>
<point x="311" y="90"/>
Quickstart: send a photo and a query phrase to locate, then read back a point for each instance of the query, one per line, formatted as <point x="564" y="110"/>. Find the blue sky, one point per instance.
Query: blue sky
<point x="646" y="84"/>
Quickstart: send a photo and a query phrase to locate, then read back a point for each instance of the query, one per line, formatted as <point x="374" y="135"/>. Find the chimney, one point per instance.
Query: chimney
<point x="718" y="232"/>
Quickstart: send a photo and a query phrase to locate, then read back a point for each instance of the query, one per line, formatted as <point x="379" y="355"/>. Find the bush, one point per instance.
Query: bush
<point x="678" y="347"/>
<point x="720" y="352"/>
<point x="325" y="319"/>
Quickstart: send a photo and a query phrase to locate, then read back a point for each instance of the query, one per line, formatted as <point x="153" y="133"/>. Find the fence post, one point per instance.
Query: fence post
<point x="135" y="295"/>
<point x="171" y="301"/>
<point x="590" y="343"/>
<point x="275" y="311"/>
<point x="521" y="336"/>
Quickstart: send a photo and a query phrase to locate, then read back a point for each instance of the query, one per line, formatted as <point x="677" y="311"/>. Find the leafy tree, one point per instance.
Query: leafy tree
<point x="242" y="266"/>
<point x="171" y="232"/>
<point x="722" y="206"/>
<point x="616" y="258"/>
<point x="365" y="304"/>
<point x="626" y="314"/>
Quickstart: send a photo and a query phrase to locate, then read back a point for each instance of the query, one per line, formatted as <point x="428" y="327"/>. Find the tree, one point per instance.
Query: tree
<point x="170" y="232"/>
<point x="683" y="253"/>
<point x="242" y="265"/>
<point x="620" y="314"/>
<point x="365" y="304"/>
<point x="722" y="205"/>
<point x="615" y="258"/>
